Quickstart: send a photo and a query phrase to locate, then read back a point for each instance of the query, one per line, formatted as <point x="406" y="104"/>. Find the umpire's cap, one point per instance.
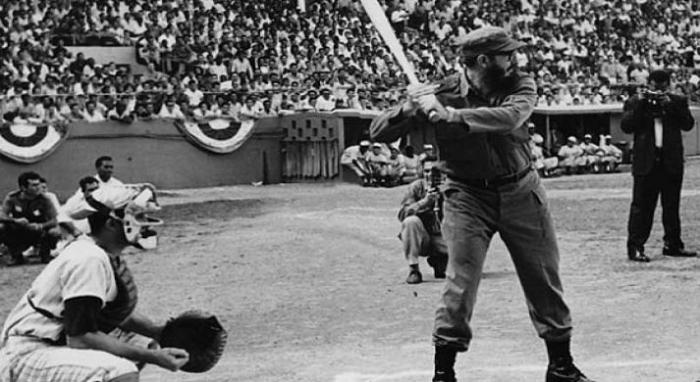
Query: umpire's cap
<point x="487" y="40"/>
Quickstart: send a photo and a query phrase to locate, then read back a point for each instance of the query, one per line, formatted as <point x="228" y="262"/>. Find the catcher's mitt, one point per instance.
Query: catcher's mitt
<point x="199" y="333"/>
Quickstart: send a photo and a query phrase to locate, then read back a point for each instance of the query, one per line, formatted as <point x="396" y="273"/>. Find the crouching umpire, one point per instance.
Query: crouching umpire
<point x="479" y="122"/>
<point x="59" y="329"/>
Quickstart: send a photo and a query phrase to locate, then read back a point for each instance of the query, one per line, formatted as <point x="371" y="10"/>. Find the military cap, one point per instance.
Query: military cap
<point x="487" y="40"/>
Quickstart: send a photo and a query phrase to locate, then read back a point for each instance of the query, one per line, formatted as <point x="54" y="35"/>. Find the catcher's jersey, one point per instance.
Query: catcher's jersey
<point x="82" y="269"/>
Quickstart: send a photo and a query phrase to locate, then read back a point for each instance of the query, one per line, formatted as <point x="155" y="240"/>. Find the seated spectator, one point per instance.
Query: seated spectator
<point x="206" y="111"/>
<point x="589" y="158"/>
<point x="26" y="220"/>
<point x="144" y="111"/>
<point x="378" y="165"/>
<point x="91" y="114"/>
<point x="327" y="101"/>
<point x="170" y="110"/>
<point x="610" y="156"/>
<point x="249" y="111"/>
<point x="77" y="113"/>
<point x="354" y="158"/>
<point x="545" y="166"/>
<point x="120" y="113"/>
<point x="267" y="110"/>
<point x="351" y="100"/>
<point x="394" y="170"/>
<point x="194" y="95"/>
<point x="571" y="156"/>
<point x="75" y="227"/>
<point x="411" y="164"/>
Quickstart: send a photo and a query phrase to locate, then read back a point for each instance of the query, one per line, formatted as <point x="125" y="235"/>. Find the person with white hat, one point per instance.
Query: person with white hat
<point x="610" y="156"/>
<point x="354" y="158"/>
<point x="544" y="166"/>
<point x="63" y="327"/>
<point x="378" y="164"/>
<point x="589" y="159"/>
<point x="570" y="156"/>
<point x="428" y="153"/>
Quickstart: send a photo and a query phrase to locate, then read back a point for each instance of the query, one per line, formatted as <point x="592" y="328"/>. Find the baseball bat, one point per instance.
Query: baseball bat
<point x="378" y="18"/>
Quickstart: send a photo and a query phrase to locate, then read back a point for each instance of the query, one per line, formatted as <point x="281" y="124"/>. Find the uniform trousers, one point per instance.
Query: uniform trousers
<point x="518" y="211"/>
<point x="28" y="359"/>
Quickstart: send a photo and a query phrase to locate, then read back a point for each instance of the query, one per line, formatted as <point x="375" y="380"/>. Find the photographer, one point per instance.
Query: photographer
<point x="420" y="215"/>
<point x="656" y="119"/>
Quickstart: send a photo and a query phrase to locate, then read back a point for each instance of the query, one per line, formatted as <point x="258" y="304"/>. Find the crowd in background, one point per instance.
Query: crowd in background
<point x="244" y="59"/>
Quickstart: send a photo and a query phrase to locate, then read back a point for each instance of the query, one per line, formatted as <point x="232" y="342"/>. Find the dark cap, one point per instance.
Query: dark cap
<point x="487" y="40"/>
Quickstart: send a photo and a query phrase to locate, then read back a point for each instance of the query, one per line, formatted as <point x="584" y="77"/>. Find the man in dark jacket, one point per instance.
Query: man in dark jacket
<point x="483" y="144"/>
<point x="656" y="119"/>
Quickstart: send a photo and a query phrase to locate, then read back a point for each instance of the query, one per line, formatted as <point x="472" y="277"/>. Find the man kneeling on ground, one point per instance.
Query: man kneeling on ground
<point x="26" y="219"/>
<point x="420" y="214"/>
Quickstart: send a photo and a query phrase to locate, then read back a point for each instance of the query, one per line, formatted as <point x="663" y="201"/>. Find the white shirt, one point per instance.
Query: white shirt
<point x="111" y="182"/>
<point x="194" y="96"/>
<point x="74" y="204"/>
<point x="323" y="104"/>
<point x="95" y="117"/>
<point x="82" y="269"/>
<point x="658" y="133"/>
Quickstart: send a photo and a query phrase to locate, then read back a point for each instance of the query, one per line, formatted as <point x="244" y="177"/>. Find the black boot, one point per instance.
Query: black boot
<point x="677" y="251"/>
<point x="444" y="364"/>
<point x="439" y="263"/>
<point x="635" y="253"/>
<point x="564" y="370"/>
<point x="561" y="366"/>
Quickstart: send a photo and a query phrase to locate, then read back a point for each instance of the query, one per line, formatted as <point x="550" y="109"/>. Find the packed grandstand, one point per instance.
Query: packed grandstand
<point x="245" y="59"/>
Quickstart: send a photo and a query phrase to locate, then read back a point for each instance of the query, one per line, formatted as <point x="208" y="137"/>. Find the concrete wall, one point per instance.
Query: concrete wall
<point x="104" y="55"/>
<point x="153" y="152"/>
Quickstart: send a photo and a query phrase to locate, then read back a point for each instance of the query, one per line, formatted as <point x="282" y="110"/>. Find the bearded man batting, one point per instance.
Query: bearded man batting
<point x="482" y="140"/>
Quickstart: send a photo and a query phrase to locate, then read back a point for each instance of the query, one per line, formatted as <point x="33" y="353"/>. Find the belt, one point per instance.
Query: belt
<point x="494" y="182"/>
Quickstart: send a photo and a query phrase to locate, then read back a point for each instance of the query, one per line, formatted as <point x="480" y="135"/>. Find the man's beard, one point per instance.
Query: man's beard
<point x="495" y="79"/>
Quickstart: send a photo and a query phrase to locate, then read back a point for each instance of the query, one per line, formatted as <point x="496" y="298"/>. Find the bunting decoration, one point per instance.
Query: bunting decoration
<point x="29" y="143"/>
<point x="221" y="136"/>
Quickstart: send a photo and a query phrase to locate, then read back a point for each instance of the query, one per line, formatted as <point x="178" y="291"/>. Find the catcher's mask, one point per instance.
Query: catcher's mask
<point x="129" y="204"/>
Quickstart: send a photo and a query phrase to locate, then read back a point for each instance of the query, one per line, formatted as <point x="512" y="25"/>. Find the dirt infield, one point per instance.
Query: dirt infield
<point x="309" y="280"/>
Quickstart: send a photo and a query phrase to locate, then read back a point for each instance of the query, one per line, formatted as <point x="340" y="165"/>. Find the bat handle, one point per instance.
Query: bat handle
<point x="433" y="116"/>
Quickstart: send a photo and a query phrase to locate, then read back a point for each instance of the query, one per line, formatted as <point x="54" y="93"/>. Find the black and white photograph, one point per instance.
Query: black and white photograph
<point x="349" y="190"/>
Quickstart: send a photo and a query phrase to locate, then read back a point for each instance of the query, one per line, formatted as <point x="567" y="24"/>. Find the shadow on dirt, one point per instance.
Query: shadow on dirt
<point x="217" y="210"/>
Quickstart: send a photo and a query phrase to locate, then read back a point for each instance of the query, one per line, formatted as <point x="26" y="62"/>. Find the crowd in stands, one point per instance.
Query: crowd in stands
<point x="246" y="59"/>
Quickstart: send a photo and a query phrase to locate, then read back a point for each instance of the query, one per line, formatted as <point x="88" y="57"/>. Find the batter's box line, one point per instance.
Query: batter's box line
<point x="360" y="377"/>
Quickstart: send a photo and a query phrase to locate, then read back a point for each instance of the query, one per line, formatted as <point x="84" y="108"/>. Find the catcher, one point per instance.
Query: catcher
<point x="65" y="327"/>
